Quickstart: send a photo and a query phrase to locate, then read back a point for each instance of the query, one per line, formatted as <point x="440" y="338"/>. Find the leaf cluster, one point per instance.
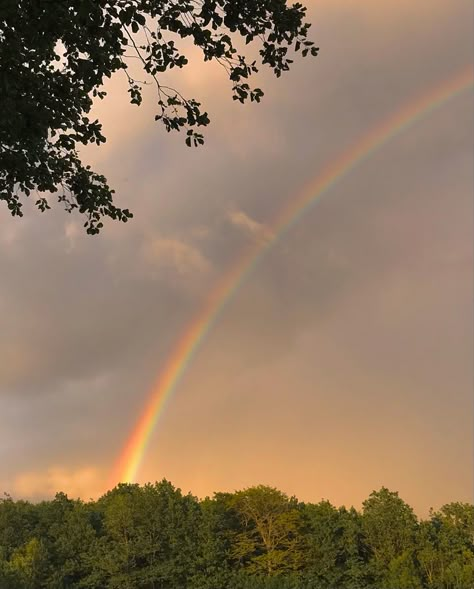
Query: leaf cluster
<point x="55" y="57"/>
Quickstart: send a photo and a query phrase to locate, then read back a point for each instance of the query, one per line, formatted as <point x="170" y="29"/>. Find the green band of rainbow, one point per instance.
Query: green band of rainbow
<point x="134" y="450"/>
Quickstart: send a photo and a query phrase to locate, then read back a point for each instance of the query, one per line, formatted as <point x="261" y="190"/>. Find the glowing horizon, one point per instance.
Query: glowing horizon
<point x="133" y="452"/>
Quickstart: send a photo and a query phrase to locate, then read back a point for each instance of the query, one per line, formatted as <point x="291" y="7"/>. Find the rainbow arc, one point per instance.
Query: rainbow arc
<point x="134" y="450"/>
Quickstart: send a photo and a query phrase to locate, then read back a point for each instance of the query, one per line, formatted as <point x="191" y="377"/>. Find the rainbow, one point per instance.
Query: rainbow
<point x="133" y="452"/>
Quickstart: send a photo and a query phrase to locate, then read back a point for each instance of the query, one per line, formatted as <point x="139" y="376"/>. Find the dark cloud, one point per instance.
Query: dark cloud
<point x="355" y="322"/>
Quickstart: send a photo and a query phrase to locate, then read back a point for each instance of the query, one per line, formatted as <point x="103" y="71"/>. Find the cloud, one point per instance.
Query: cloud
<point x="250" y="226"/>
<point x="83" y="482"/>
<point x="73" y="308"/>
<point x="167" y="254"/>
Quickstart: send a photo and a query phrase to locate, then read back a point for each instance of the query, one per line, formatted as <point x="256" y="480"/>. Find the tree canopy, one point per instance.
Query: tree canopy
<point x="55" y="57"/>
<point x="156" y="537"/>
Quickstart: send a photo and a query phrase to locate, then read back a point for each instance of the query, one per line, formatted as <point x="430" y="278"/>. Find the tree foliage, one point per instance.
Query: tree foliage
<point x="55" y="56"/>
<point x="269" y="538"/>
<point x="155" y="537"/>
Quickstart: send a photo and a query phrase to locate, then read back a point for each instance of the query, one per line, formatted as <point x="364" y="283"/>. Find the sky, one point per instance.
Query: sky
<point x="342" y="364"/>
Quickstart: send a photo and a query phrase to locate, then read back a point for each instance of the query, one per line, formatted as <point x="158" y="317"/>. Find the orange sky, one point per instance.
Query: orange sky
<point x="345" y="361"/>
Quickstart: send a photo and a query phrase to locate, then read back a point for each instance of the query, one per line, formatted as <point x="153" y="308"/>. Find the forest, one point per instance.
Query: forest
<point x="156" y="537"/>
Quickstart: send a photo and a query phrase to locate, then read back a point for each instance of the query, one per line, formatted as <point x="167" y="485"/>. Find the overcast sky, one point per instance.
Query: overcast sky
<point x="343" y="363"/>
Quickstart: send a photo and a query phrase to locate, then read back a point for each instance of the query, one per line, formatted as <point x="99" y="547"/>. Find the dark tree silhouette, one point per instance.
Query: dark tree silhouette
<point x="54" y="57"/>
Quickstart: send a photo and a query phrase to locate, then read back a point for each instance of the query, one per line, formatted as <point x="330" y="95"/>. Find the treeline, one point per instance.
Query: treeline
<point x="154" y="537"/>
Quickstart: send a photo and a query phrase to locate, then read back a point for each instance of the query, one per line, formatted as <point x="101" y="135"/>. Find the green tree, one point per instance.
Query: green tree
<point x="336" y="552"/>
<point x="428" y="554"/>
<point x="445" y="547"/>
<point x="390" y="527"/>
<point x="324" y="545"/>
<point x="457" y="544"/>
<point x="218" y="523"/>
<point x="18" y="520"/>
<point x="402" y="572"/>
<point x="115" y="560"/>
<point x="155" y="537"/>
<point x="29" y="565"/>
<point x="270" y="541"/>
<point x="72" y="545"/>
<point x="150" y="538"/>
<point x="54" y="57"/>
<point x="169" y="536"/>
